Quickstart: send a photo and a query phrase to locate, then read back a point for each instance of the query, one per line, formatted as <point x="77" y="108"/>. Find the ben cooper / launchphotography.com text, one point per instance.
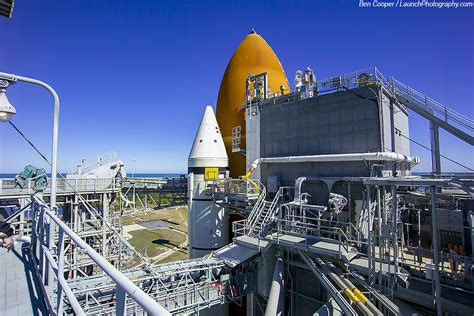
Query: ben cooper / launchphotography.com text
<point x="416" y="4"/>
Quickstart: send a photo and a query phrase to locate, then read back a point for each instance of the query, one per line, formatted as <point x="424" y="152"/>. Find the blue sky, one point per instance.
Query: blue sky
<point x="134" y="76"/>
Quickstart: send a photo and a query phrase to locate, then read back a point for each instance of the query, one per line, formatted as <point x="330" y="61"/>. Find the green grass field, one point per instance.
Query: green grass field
<point x="153" y="242"/>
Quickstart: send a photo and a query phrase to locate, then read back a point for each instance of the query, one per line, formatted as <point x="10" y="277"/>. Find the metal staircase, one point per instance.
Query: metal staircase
<point x="257" y="206"/>
<point x="263" y="213"/>
<point x="448" y="119"/>
<point x="260" y="218"/>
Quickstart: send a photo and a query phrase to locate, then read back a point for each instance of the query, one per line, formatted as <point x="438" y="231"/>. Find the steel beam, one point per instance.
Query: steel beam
<point x="437" y="297"/>
<point x="435" y="151"/>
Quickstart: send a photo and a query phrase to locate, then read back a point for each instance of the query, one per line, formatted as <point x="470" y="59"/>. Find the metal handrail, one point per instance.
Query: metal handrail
<point x="427" y="103"/>
<point x="308" y="227"/>
<point x="268" y="214"/>
<point x="240" y="228"/>
<point x="8" y="185"/>
<point x="374" y="76"/>
<point x="124" y="286"/>
<point x="271" y="210"/>
<point x="306" y="207"/>
<point x="234" y="186"/>
<point x="256" y="210"/>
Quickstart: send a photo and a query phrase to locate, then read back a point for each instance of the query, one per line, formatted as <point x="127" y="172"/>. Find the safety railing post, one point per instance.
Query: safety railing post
<point x="339" y="243"/>
<point x="306" y="236"/>
<point x="60" y="294"/>
<point x="278" y="231"/>
<point x="40" y="243"/>
<point x="50" y="243"/>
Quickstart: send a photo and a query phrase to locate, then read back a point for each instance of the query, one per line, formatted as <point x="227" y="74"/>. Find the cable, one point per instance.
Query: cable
<point x="29" y="142"/>
<point x="11" y="217"/>
<point x="447" y="158"/>
<point x="363" y="97"/>
<point x="86" y="203"/>
<point x="419" y="144"/>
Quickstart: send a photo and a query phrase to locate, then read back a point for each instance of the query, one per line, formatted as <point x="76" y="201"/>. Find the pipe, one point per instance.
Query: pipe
<point x="373" y="308"/>
<point x="363" y="299"/>
<point x="343" y="304"/>
<point x="395" y="231"/>
<point x="249" y="173"/>
<point x="347" y="290"/>
<point x="375" y="156"/>
<point x="434" y="223"/>
<point x="354" y="299"/>
<point x="276" y="297"/>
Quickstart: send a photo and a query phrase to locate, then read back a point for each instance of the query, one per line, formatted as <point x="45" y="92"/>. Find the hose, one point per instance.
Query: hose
<point x="249" y="173"/>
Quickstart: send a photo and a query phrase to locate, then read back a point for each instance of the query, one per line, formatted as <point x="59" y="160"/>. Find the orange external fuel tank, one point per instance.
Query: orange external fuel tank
<point x="253" y="56"/>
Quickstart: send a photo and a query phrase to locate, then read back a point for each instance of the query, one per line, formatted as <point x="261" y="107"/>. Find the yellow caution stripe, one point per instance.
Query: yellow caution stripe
<point x="351" y="295"/>
<point x="360" y="296"/>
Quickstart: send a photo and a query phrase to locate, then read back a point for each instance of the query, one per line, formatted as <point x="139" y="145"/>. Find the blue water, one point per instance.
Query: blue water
<point x="7" y="175"/>
<point x="155" y="175"/>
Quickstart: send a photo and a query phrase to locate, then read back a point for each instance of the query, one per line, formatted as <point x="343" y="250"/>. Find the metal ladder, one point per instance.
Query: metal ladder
<point x="448" y="119"/>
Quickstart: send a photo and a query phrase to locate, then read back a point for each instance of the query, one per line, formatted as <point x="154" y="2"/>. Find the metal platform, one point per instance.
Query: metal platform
<point x="252" y="242"/>
<point x="314" y="245"/>
<point x="181" y="287"/>
<point x="361" y="265"/>
<point x="20" y="293"/>
<point x="234" y="254"/>
<point x="64" y="187"/>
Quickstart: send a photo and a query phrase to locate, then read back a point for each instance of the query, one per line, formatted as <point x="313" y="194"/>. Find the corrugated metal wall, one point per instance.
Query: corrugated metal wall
<point x="341" y="122"/>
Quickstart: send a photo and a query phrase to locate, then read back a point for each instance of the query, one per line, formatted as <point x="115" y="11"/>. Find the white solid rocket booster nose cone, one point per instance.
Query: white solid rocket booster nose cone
<point x="208" y="149"/>
<point x="207" y="162"/>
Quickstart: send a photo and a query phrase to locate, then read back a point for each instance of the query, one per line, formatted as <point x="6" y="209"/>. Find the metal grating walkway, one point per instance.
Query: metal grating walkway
<point x="18" y="289"/>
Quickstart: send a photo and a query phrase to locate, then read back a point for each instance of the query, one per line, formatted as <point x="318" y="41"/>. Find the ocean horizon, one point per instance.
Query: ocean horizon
<point x="135" y="175"/>
<point x="177" y="175"/>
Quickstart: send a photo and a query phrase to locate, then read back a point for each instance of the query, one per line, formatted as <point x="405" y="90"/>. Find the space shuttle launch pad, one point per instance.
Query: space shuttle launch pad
<point x="301" y="199"/>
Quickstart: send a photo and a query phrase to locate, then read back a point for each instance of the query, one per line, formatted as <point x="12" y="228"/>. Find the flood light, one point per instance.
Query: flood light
<point x="6" y="109"/>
